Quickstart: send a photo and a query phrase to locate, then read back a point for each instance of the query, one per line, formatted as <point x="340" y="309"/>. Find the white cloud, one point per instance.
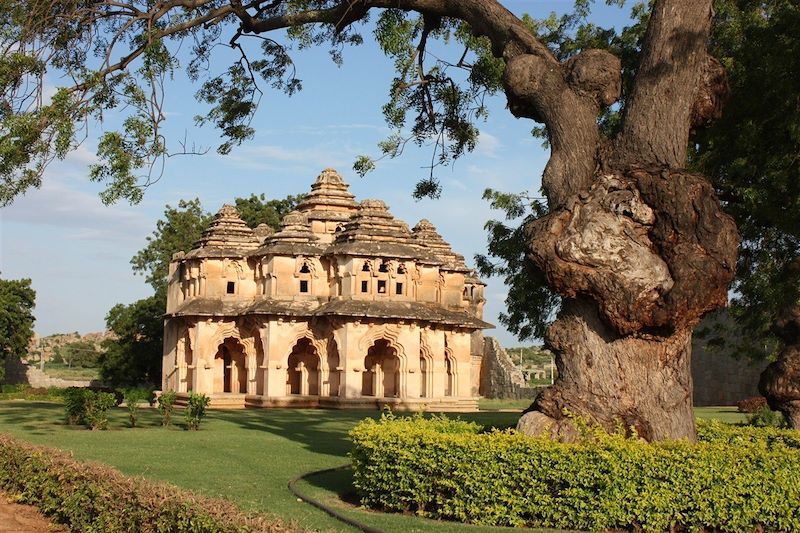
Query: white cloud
<point x="78" y="215"/>
<point x="273" y="157"/>
<point x="488" y="145"/>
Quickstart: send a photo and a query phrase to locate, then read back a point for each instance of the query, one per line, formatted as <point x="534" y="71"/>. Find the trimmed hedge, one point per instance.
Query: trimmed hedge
<point x="93" y="498"/>
<point x="736" y="479"/>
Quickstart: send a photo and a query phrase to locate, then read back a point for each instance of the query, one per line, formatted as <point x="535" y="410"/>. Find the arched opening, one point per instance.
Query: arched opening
<point x="260" y="372"/>
<point x="230" y="374"/>
<point x="302" y="372"/>
<point x="381" y="377"/>
<point x="188" y="364"/>
<point x="425" y="377"/>
<point x="333" y="368"/>
<point x="450" y="383"/>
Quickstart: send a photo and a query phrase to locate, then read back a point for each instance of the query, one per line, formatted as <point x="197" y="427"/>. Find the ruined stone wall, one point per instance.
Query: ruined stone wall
<point x="720" y="379"/>
<point x="500" y="378"/>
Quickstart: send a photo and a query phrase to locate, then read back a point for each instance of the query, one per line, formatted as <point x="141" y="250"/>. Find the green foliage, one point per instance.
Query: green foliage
<point x="256" y="210"/>
<point x="530" y="305"/>
<point x="447" y="469"/>
<point x="84" y="354"/>
<point x="75" y="405"/>
<point x="17" y="300"/>
<point x="88" y="407"/>
<point x="134" y="358"/>
<point x="23" y="391"/>
<point x="94" y="498"/>
<point x="195" y="410"/>
<point x="750" y="155"/>
<point x="135" y="396"/>
<point x="766" y="417"/>
<point x="97" y="405"/>
<point x="166" y="405"/>
<point x="180" y="228"/>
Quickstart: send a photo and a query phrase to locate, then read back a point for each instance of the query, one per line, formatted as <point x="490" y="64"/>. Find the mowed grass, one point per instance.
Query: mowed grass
<point x="246" y="456"/>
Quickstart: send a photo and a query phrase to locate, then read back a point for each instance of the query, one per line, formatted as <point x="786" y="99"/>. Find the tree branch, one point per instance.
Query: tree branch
<point x="658" y="114"/>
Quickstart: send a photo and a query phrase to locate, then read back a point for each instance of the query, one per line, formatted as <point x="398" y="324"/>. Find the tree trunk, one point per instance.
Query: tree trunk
<point x="638" y="384"/>
<point x="640" y="257"/>
<point x="780" y="381"/>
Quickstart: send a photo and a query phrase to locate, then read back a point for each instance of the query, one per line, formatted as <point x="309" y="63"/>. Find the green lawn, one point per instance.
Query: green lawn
<point x="246" y="456"/>
<point x="62" y="371"/>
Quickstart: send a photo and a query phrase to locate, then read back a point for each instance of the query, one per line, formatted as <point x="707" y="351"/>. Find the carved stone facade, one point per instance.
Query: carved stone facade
<point x="345" y="306"/>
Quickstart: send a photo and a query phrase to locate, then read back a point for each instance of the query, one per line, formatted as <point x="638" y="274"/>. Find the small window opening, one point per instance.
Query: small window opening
<point x="466" y="293"/>
<point x="365" y="268"/>
<point x="398" y="288"/>
<point x="303" y="285"/>
<point x="364" y="286"/>
<point x="381" y="286"/>
<point x="383" y="268"/>
<point x="231" y="287"/>
<point x="401" y="269"/>
<point x="305" y="269"/>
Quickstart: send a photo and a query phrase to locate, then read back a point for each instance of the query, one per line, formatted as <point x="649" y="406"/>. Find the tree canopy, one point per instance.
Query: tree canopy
<point x="17" y="300"/>
<point x="752" y="156"/>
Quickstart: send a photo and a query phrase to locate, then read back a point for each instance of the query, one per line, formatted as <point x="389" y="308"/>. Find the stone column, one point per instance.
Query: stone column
<point x="301" y="367"/>
<point x="377" y="380"/>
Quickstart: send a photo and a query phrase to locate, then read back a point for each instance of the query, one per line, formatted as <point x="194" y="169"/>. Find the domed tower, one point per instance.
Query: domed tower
<point x="329" y="204"/>
<point x="289" y="261"/>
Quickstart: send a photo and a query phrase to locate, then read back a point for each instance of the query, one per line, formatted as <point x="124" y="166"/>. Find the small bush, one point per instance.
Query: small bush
<point x="751" y="405"/>
<point x="766" y="417"/>
<point x="26" y="392"/>
<point x="196" y="409"/>
<point x="133" y="398"/>
<point x="449" y="470"/>
<point x="166" y="405"/>
<point x="97" y="406"/>
<point x="87" y="407"/>
<point x="75" y="405"/>
<point x="95" y="498"/>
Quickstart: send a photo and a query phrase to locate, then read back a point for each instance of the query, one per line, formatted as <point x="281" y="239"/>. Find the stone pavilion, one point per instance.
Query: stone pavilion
<point x="344" y="307"/>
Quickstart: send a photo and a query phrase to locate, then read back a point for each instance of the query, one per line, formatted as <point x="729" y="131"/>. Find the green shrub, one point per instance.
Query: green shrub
<point x="445" y="469"/>
<point x="26" y="392"/>
<point x="133" y="398"/>
<point x="98" y="499"/>
<point x="97" y="406"/>
<point x="766" y="417"/>
<point x="75" y="405"/>
<point x="87" y="407"/>
<point x="196" y="409"/>
<point x="166" y="405"/>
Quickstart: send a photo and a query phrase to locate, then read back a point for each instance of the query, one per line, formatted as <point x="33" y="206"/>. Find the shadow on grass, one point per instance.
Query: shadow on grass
<point x="325" y="431"/>
<point x="317" y="430"/>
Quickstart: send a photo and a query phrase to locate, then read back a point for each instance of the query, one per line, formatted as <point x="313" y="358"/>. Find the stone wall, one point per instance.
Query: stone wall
<point x="500" y="377"/>
<point x="720" y="379"/>
<point x="20" y="373"/>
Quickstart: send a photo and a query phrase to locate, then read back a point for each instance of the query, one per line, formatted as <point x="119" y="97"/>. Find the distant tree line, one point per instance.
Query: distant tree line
<point x="134" y="357"/>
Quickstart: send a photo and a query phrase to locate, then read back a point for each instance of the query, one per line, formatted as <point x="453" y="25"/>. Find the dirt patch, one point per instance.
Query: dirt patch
<point x="16" y="518"/>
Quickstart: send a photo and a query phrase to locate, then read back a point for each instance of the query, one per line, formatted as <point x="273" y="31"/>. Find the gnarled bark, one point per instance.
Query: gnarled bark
<point x="646" y="254"/>
<point x="641" y="252"/>
<point x="640" y="382"/>
<point x="780" y="381"/>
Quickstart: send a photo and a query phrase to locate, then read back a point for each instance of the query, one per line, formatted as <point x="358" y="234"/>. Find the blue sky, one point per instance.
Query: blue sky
<point x="77" y="251"/>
